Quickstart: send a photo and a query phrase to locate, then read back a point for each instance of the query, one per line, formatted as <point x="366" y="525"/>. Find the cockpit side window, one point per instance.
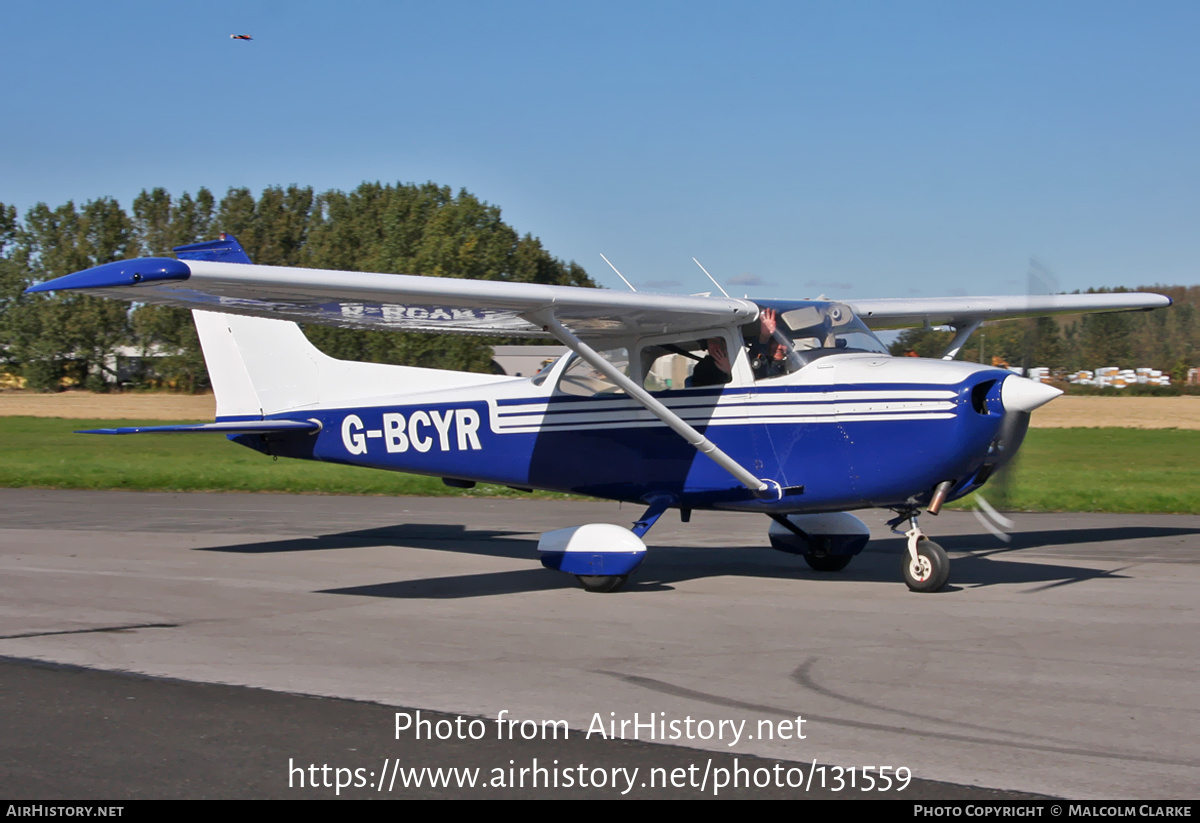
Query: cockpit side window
<point x="686" y="364"/>
<point x="712" y="358"/>
<point x="544" y="372"/>
<point x="580" y="379"/>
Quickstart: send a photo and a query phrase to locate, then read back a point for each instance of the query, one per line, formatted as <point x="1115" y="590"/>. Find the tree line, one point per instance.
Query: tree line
<point x="56" y="339"/>
<point x="1166" y="339"/>
<point x="69" y="338"/>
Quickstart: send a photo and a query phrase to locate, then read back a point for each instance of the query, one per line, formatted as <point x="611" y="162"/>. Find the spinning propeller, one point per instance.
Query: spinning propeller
<point x="1019" y="401"/>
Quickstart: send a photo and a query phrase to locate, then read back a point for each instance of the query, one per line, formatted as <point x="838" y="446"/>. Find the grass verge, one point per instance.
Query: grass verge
<point x="1104" y="470"/>
<point x="45" y="453"/>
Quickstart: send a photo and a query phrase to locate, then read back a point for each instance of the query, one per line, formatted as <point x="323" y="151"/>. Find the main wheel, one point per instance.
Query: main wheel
<point x="602" y="582"/>
<point x="931" y="569"/>
<point x="827" y="562"/>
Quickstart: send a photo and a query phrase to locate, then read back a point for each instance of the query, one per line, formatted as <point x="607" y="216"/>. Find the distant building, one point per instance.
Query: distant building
<point x="1117" y="378"/>
<point x="133" y="364"/>
<point x="524" y="361"/>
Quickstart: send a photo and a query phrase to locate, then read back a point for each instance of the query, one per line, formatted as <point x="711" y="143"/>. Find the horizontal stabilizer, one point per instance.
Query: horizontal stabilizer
<point x="223" y="427"/>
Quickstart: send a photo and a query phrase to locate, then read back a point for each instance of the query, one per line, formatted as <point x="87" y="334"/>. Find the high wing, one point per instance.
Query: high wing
<point x="402" y="302"/>
<point x="217" y="276"/>
<point x="962" y="312"/>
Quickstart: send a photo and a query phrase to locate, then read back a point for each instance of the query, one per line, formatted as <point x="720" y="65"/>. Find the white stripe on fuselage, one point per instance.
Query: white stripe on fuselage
<point x="732" y="409"/>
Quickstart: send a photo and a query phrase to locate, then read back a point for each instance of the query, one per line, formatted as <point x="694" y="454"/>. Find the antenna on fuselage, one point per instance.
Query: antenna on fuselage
<point x="614" y="268"/>
<point x="710" y="277"/>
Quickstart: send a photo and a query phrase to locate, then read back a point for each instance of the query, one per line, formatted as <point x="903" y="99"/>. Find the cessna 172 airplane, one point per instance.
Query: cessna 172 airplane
<point x="791" y="408"/>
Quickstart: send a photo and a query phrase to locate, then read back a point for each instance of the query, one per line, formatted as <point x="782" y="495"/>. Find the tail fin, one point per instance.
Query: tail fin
<point x="260" y="366"/>
<point x="225" y="250"/>
<point x="257" y="366"/>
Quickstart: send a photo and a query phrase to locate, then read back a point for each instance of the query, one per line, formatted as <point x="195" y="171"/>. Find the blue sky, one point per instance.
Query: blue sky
<point x="860" y="149"/>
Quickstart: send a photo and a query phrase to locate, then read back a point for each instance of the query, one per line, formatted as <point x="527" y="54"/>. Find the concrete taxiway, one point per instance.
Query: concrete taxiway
<point x="1062" y="664"/>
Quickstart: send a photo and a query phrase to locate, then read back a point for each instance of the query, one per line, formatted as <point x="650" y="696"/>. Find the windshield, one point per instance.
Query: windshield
<point x="830" y="326"/>
<point x="790" y="337"/>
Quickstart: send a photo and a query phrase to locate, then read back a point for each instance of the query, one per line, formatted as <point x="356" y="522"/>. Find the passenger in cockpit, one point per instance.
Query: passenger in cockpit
<point x="713" y="369"/>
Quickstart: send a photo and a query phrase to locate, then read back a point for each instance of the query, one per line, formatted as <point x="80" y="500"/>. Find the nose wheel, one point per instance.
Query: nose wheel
<point x="926" y="568"/>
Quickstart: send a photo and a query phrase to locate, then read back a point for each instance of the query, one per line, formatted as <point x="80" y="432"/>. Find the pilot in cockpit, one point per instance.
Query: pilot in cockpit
<point x="769" y="352"/>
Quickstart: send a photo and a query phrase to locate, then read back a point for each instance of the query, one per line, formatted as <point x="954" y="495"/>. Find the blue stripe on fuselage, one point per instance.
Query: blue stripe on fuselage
<point x="842" y="463"/>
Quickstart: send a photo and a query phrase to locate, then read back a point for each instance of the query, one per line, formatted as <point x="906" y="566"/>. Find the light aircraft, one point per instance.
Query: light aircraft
<point x="636" y="411"/>
<point x="240" y="37"/>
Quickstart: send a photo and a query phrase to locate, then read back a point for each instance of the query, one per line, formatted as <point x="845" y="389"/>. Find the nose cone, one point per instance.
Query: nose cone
<point x="1024" y="395"/>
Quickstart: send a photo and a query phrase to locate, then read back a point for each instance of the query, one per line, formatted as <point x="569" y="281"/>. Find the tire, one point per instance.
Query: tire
<point x="601" y="583"/>
<point x="827" y="562"/>
<point x="932" y="569"/>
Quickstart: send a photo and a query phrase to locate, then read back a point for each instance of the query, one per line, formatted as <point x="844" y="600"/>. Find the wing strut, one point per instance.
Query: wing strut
<point x="764" y="489"/>
<point x="962" y="332"/>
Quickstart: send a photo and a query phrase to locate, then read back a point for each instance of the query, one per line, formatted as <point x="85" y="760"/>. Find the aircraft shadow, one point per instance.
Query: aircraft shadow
<point x="1064" y="537"/>
<point x="444" y="537"/>
<point x="879" y="564"/>
<point x="467" y="585"/>
<point x="665" y="566"/>
<point x="981" y="570"/>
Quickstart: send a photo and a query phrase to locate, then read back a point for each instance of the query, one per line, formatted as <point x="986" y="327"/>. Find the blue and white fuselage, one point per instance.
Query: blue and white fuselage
<point x="789" y="408"/>
<point x="853" y="430"/>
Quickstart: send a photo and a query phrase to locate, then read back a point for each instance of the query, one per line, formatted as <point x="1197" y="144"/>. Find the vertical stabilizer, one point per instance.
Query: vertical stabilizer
<point x="258" y="366"/>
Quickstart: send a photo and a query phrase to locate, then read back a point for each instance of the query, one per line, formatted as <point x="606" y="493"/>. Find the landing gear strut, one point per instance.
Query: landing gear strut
<point x="926" y="567"/>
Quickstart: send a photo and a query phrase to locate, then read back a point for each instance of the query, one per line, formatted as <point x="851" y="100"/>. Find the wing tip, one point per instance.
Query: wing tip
<point x="118" y="273"/>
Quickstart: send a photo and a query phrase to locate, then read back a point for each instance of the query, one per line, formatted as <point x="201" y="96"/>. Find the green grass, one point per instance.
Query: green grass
<point x="1105" y="470"/>
<point x="1109" y="470"/>
<point x="45" y="453"/>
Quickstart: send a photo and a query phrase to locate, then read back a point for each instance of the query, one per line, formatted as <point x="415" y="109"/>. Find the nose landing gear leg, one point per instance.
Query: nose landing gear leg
<point x="926" y="567"/>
